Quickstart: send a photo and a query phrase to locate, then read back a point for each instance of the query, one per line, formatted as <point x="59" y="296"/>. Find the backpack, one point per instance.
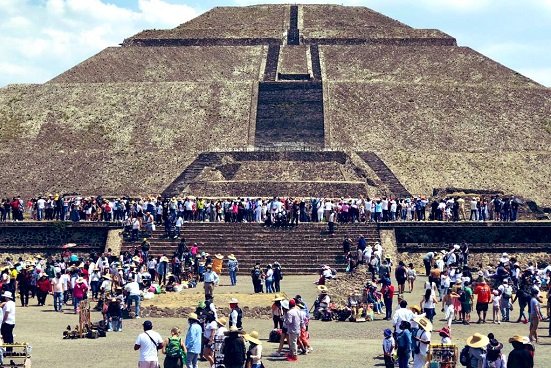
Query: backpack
<point x="465" y="357"/>
<point x="507" y="292"/>
<point x="174" y="347"/>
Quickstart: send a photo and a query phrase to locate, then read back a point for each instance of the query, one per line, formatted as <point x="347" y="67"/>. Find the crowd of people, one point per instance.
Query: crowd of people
<point x="463" y="294"/>
<point x="158" y="211"/>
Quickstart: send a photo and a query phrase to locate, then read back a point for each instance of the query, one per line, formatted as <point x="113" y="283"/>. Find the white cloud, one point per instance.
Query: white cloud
<point x="47" y="37"/>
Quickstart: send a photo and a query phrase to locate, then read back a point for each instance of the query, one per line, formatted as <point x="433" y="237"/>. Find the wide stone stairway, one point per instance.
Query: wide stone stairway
<point x="300" y="250"/>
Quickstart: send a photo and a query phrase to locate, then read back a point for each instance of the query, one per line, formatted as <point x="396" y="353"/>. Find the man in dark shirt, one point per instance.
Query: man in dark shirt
<point x="519" y="357"/>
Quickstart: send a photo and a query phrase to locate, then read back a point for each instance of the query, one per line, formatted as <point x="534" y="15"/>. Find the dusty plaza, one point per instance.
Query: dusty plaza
<point x="272" y="186"/>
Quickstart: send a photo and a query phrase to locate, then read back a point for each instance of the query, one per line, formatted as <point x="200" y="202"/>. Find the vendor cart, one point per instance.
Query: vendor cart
<point x="443" y="356"/>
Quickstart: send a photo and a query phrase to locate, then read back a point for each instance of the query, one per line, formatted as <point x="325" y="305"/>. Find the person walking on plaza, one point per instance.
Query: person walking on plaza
<point x="535" y="315"/>
<point x="233" y="267"/>
<point x="403" y="344"/>
<point x="193" y="341"/>
<point x="293" y="322"/>
<point x="421" y="341"/>
<point x="174" y="350"/>
<point x="519" y="357"/>
<point x="484" y="297"/>
<point x="254" y="354"/>
<point x="8" y="319"/>
<point x="234" y="350"/>
<point x="211" y="279"/>
<point x="148" y="342"/>
<point x="236" y="314"/>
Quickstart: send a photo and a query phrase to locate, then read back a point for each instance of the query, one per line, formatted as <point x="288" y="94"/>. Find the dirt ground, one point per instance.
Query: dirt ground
<point x="336" y="344"/>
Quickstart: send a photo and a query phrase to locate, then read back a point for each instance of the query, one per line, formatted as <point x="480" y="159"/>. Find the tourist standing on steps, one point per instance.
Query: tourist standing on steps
<point x="233" y="267"/>
<point x="331" y="222"/>
<point x="148" y="343"/>
<point x="8" y="320"/>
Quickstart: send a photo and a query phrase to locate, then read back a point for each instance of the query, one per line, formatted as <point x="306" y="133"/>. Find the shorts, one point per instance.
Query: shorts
<point x="466" y="308"/>
<point x="481" y="307"/>
<point x="148" y="364"/>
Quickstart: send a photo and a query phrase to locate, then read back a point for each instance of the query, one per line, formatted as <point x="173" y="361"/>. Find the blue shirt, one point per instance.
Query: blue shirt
<point x="232" y="265"/>
<point x="193" y="339"/>
<point x="211" y="276"/>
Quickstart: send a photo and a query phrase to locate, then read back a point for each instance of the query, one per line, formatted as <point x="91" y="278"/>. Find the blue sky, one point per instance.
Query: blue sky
<point x="39" y="39"/>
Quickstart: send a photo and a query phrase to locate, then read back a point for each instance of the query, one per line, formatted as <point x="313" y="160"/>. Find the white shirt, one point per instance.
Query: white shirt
<point x="9" y="309"/>
<point x="210" y="328"/>
<point x="423" y="335"/>
<point x="40" y="203"/>
<point x="401" y="314"/>
<point x="132" y="288"/>
<point x="65" y="280"/>
<point x="148" y="349"/>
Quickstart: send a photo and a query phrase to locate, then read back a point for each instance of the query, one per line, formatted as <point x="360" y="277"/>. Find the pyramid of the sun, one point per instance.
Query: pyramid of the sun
<point x="319" y="78"/>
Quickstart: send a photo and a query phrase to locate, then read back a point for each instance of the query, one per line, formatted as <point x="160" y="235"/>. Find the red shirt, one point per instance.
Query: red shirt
<point x="79" y="290"/>
<point x="44" y="285"/>
<point x="387" y="291"/>
<point x="484" y="293"/>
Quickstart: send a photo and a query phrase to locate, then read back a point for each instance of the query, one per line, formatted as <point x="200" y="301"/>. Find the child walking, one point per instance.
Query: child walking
<point x="412" y="275"/>
<point x="496" y="301"/>
<point x="388" y="348"/>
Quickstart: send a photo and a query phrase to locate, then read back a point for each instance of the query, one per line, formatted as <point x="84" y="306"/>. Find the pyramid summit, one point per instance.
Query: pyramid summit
<point x="304" y="100"/>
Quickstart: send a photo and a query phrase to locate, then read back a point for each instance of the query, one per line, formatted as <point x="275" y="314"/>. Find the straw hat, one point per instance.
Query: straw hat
<point x="477" y="341"/>
<point x="8" y="294"/>
<point x="424" y="323"/>
<point x="232" y="257"/>
<point x="521" y="339"/>
<point x="278" y="298"/>
<point x="193" y="316"/>
<point x="253" y="337"/>
<point x="107" y="276"/>
<point x="164" y="259"/>
<point x="80" y="280"/>
<point x="136" y="259"/>
<point x="233" y="301"/>
<point x="219" y="256"/>
<point x="222" y="321"/>
<point x="415" y="308"/>
<point x="323" y="289"/>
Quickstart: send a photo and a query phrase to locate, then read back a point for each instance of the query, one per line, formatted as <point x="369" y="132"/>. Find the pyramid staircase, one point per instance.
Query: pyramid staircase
<point x="384" y="173"/>
<point x="300" y="250"/>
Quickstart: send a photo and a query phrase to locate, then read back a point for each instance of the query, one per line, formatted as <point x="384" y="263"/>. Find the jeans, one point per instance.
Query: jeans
<point x="136" y="299"/>
<point x="94" y="285"/>
<point x="233" y="277"/>
<point x="76" y="302"/>
<point x="39" y="214"/>
<point x="115" y="324"/>
<point x="58" y="301"/>
<point x="504" y="309"/>
<point x="7" y="334"/>
<point x="192" y="359"/>
<point x="388" y="308"/>
<point x="403" y="360"/>
<point x="269" y="288"/>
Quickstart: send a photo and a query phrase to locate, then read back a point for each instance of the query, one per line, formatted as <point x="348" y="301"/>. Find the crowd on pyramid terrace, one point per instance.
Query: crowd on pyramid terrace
<point x="276" y="210"/>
